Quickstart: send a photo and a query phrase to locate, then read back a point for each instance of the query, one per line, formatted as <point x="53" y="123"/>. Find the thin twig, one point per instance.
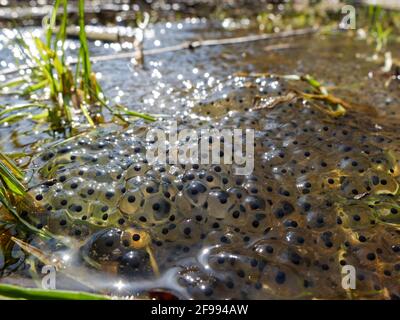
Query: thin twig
<point x="189" y="45"/>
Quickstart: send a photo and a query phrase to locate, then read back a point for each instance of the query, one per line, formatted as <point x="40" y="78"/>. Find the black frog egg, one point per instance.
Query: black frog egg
<point x="41" y="194"/>
<point x="267" y="249"/>
<point x="104" y="215"/>
<point x="136" y="238"/>
<point x="110" y="194"/>
<point x="73" y="184"/>
<point x="283" y="209"/>
<point x="104" y="246"/>
<point x="59" y="198"/>
<point x="284" y="281"/>
<point x="78" y="230"/>
<point x="77" y="207"/>
<point x="219" y="203"/>
<point x="242" y="267"/>
<point x="149" y="187"/>
<point x="157" y="208"/>
<point x="254" y="203"/>
<point x="226" y="180"/>
<point x="136" y="170"/>
<point x="199" y="284"/>
<point x="295" y="257"/>
<point x="356" y="216"/>
<point x="274" y="157"/>
<point x="89" y="190"/>
<point x="237" y="216"/>
<point x="131" y="201"/>
<point x="239" y="193"/>
<point x="135" y="264"/>
<point x="167" y="187"/>
<point x="95" y="172"/>
<point x="115" y="172"/>
<point x="191" y="230"/>
<point x="329" y="240"/>
<point x="59" y="221"/>
<point x="368" y="283"/>
<point x="168" y="231"/>
<point x="383" y="183"/>
<point x="196" y="192"/>
<point x="212" y="179"/>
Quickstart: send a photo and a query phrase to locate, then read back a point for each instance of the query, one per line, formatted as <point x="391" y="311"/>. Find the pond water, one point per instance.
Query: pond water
<point x="323" y="194"/>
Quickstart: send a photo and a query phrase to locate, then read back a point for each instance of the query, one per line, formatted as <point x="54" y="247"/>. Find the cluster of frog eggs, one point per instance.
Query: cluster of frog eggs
<point x="323" y="194"/>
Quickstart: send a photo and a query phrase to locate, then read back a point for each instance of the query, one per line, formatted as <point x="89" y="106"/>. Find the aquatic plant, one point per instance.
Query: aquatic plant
<point x="70" y="91"/>
<point x="10" y="176"/>
<point x="379" y="31"/>
<point x="17" y="292"/>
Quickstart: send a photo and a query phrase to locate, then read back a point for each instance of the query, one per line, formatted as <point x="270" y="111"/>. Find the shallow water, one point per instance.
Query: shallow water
<point x="323" y="193"/>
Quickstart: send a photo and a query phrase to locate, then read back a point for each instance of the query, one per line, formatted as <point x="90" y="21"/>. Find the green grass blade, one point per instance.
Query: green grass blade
<point x="13" y="83"/>
<point x="86" y="114"/>
<point x="11" y="181"/>
<point x="52" y="23"/>
<point x="21" y="107"/>
<point x="123" y="110"/>
<point x="11" y="165"/>
<point x="17" y="292"/>
<point x="15" y="117"/>
<point x="62" y="35"/>
<point x="7" y="170"/>
<point x="84" y="50"/>
<point x="140" y="115"/>
<point x="35" y="87"/>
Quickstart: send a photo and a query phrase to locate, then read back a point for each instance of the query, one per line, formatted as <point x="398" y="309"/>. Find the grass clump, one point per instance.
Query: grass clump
<point x="72" y="93"/>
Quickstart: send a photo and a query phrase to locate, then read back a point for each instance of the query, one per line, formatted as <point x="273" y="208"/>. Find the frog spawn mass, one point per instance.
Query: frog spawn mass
<point x="323" y="194"/>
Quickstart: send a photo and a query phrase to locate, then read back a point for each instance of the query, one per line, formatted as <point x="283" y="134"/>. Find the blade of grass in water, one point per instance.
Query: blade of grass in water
<point x="11" y="165"/>
<point x="125" y="111"/>
<point x="13" y="83"/>
<point x="24" y="115"/>
<point x="21" y="107"/>
<point x="62" y="35"/>
<point x="139" y="115"/>
<point x="84" y="50"/>
<point x="35" y="87"/>
<point x="51" y="24"/>
<point x="16" y="292"/>
<point x="7" y="174"/>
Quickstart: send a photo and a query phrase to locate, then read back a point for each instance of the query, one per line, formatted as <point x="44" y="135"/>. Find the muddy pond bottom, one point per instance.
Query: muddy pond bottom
<point x="323" y="195"/>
